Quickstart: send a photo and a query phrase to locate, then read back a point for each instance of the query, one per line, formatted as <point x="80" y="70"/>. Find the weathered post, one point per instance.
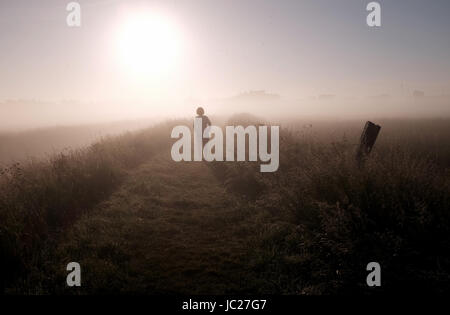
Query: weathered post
<point x="368" y="138"/>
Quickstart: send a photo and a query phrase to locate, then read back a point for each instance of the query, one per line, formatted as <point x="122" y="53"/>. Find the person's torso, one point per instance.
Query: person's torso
<point x="205" y="121"/>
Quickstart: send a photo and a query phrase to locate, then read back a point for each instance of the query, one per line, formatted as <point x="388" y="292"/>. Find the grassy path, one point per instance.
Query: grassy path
<point x="171" y="228"/>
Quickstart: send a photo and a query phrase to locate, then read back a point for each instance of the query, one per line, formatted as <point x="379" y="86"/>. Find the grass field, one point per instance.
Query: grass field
<point x="137" y="222"/>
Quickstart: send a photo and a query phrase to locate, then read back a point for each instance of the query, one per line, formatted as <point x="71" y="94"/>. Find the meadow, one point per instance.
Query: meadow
<point x="20" y="145"/>
<point x="138" y="222"/>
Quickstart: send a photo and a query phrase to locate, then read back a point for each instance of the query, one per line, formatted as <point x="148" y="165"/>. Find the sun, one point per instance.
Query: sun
<point x="148" y="44"/>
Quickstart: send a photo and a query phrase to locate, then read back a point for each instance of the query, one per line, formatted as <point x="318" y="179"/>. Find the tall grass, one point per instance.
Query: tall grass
<point x="316" y="222"/>
<point x="40" y="199"/>
<point x="321" y="218"/>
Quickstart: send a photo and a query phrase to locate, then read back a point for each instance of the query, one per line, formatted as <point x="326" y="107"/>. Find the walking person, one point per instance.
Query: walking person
<point x="205" y="123"/>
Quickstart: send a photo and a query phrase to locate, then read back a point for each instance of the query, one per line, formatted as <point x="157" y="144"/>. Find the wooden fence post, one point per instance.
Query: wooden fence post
<point x="368" y="138"/>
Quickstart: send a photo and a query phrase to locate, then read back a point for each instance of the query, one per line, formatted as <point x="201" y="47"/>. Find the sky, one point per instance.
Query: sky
<point x="297" y="49"/>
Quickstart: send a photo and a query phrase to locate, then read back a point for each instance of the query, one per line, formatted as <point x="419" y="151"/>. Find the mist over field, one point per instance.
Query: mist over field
<point x="32" y="129"/>
<point x="19" y="115"/>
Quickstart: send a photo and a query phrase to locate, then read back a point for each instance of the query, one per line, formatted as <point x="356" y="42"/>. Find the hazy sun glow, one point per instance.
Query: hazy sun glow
<point x="148" y="44"/>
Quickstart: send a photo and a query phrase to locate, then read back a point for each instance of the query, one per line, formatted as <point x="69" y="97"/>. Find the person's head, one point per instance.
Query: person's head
<point x="200" y="111"/>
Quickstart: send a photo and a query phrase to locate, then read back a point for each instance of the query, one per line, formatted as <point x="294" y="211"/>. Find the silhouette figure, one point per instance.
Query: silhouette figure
<point x="205" y="123"/>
